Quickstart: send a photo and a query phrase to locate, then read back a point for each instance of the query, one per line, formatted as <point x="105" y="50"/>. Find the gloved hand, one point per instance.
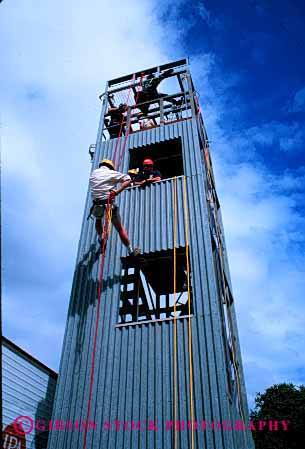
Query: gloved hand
<point x="112" y="195"/>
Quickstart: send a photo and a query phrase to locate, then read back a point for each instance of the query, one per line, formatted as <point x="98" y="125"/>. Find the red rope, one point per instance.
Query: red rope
<point x="122" y="121"/>
<point x="99" y="290"/>
<point x="129" y="127"/>
<point x="198" y="105"/>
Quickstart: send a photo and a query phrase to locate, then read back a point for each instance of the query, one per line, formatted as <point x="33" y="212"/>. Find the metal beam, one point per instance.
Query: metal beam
<point x="170" y="65"/>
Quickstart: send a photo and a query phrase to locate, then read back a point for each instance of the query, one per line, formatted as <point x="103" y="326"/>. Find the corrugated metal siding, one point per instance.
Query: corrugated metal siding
<point x="28" y="390"/>
<point x="134" y="365"/>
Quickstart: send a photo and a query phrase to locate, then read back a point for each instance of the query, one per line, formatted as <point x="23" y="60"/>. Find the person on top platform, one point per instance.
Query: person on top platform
<point x="116" y="118"/>
<point x="150" y="92"/>
<point x="102" y="182"/>
<point x="148" y="175"/>
<point x="145" y="122"/>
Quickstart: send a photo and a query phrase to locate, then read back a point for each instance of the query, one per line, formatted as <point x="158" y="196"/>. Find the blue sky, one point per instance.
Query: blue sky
<point x="248" y="67"/>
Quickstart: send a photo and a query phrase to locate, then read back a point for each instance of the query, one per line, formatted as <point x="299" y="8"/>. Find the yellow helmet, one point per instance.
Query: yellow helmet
<point x="133" y="171"/>
<point x="108" y="163"/>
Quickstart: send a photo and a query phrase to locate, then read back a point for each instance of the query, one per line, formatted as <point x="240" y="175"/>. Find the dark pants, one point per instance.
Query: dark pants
<point x="144" y="96"/>
<point x="114" y="130"/>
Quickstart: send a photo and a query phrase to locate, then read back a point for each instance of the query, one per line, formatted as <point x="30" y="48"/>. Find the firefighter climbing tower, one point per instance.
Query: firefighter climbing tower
<point x="158" y="349"/>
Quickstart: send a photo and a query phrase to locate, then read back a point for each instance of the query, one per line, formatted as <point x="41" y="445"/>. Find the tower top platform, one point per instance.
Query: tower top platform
<point x="120" y="82"/>
<point x="128" y="91"/>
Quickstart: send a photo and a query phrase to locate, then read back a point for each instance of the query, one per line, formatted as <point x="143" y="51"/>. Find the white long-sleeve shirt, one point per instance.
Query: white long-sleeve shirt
<point x="102" y="180"/>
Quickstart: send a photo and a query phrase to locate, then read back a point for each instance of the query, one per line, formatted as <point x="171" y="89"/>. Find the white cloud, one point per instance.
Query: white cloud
<point x="264" y="224"/>
<point x="210" y="19"/>
<point x="264" y="231"/>
<point x="299" y="101"/>
<point x="204" y="13"/>
<point x="58" y="56"/>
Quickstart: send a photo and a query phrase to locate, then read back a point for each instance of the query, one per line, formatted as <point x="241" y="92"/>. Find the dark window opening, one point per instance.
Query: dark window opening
<point x="147" y="287"/>
<point x="167" y="157"/>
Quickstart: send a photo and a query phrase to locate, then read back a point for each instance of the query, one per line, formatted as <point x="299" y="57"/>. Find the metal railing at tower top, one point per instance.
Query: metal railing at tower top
<point x="121" y="82"/>
<point x="143" y="113"/>
<point x="160" y="113"/>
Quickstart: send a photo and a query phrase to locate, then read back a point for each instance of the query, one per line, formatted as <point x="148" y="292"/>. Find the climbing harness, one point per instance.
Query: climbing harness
<point x="98" y="207"/>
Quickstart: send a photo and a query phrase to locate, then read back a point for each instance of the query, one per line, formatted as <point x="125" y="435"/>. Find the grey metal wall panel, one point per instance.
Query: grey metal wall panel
<point x="28" y="390"/>
<point x="134" y="364"/>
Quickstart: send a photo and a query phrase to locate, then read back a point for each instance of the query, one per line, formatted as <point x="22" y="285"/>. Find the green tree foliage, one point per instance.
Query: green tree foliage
<point x="277" y="403"/>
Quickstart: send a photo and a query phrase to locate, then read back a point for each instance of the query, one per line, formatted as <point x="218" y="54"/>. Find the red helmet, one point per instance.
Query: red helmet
<point x="148" y="162"/>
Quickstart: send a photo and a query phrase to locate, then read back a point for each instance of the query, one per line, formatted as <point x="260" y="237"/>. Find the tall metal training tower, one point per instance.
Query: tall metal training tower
<point x="167" y="348"/>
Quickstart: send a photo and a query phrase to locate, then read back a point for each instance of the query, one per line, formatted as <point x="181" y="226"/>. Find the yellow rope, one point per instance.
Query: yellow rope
<point x="109" y="219"/>
<point x="186" y="221"/>
<point x="175" y="319"/>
